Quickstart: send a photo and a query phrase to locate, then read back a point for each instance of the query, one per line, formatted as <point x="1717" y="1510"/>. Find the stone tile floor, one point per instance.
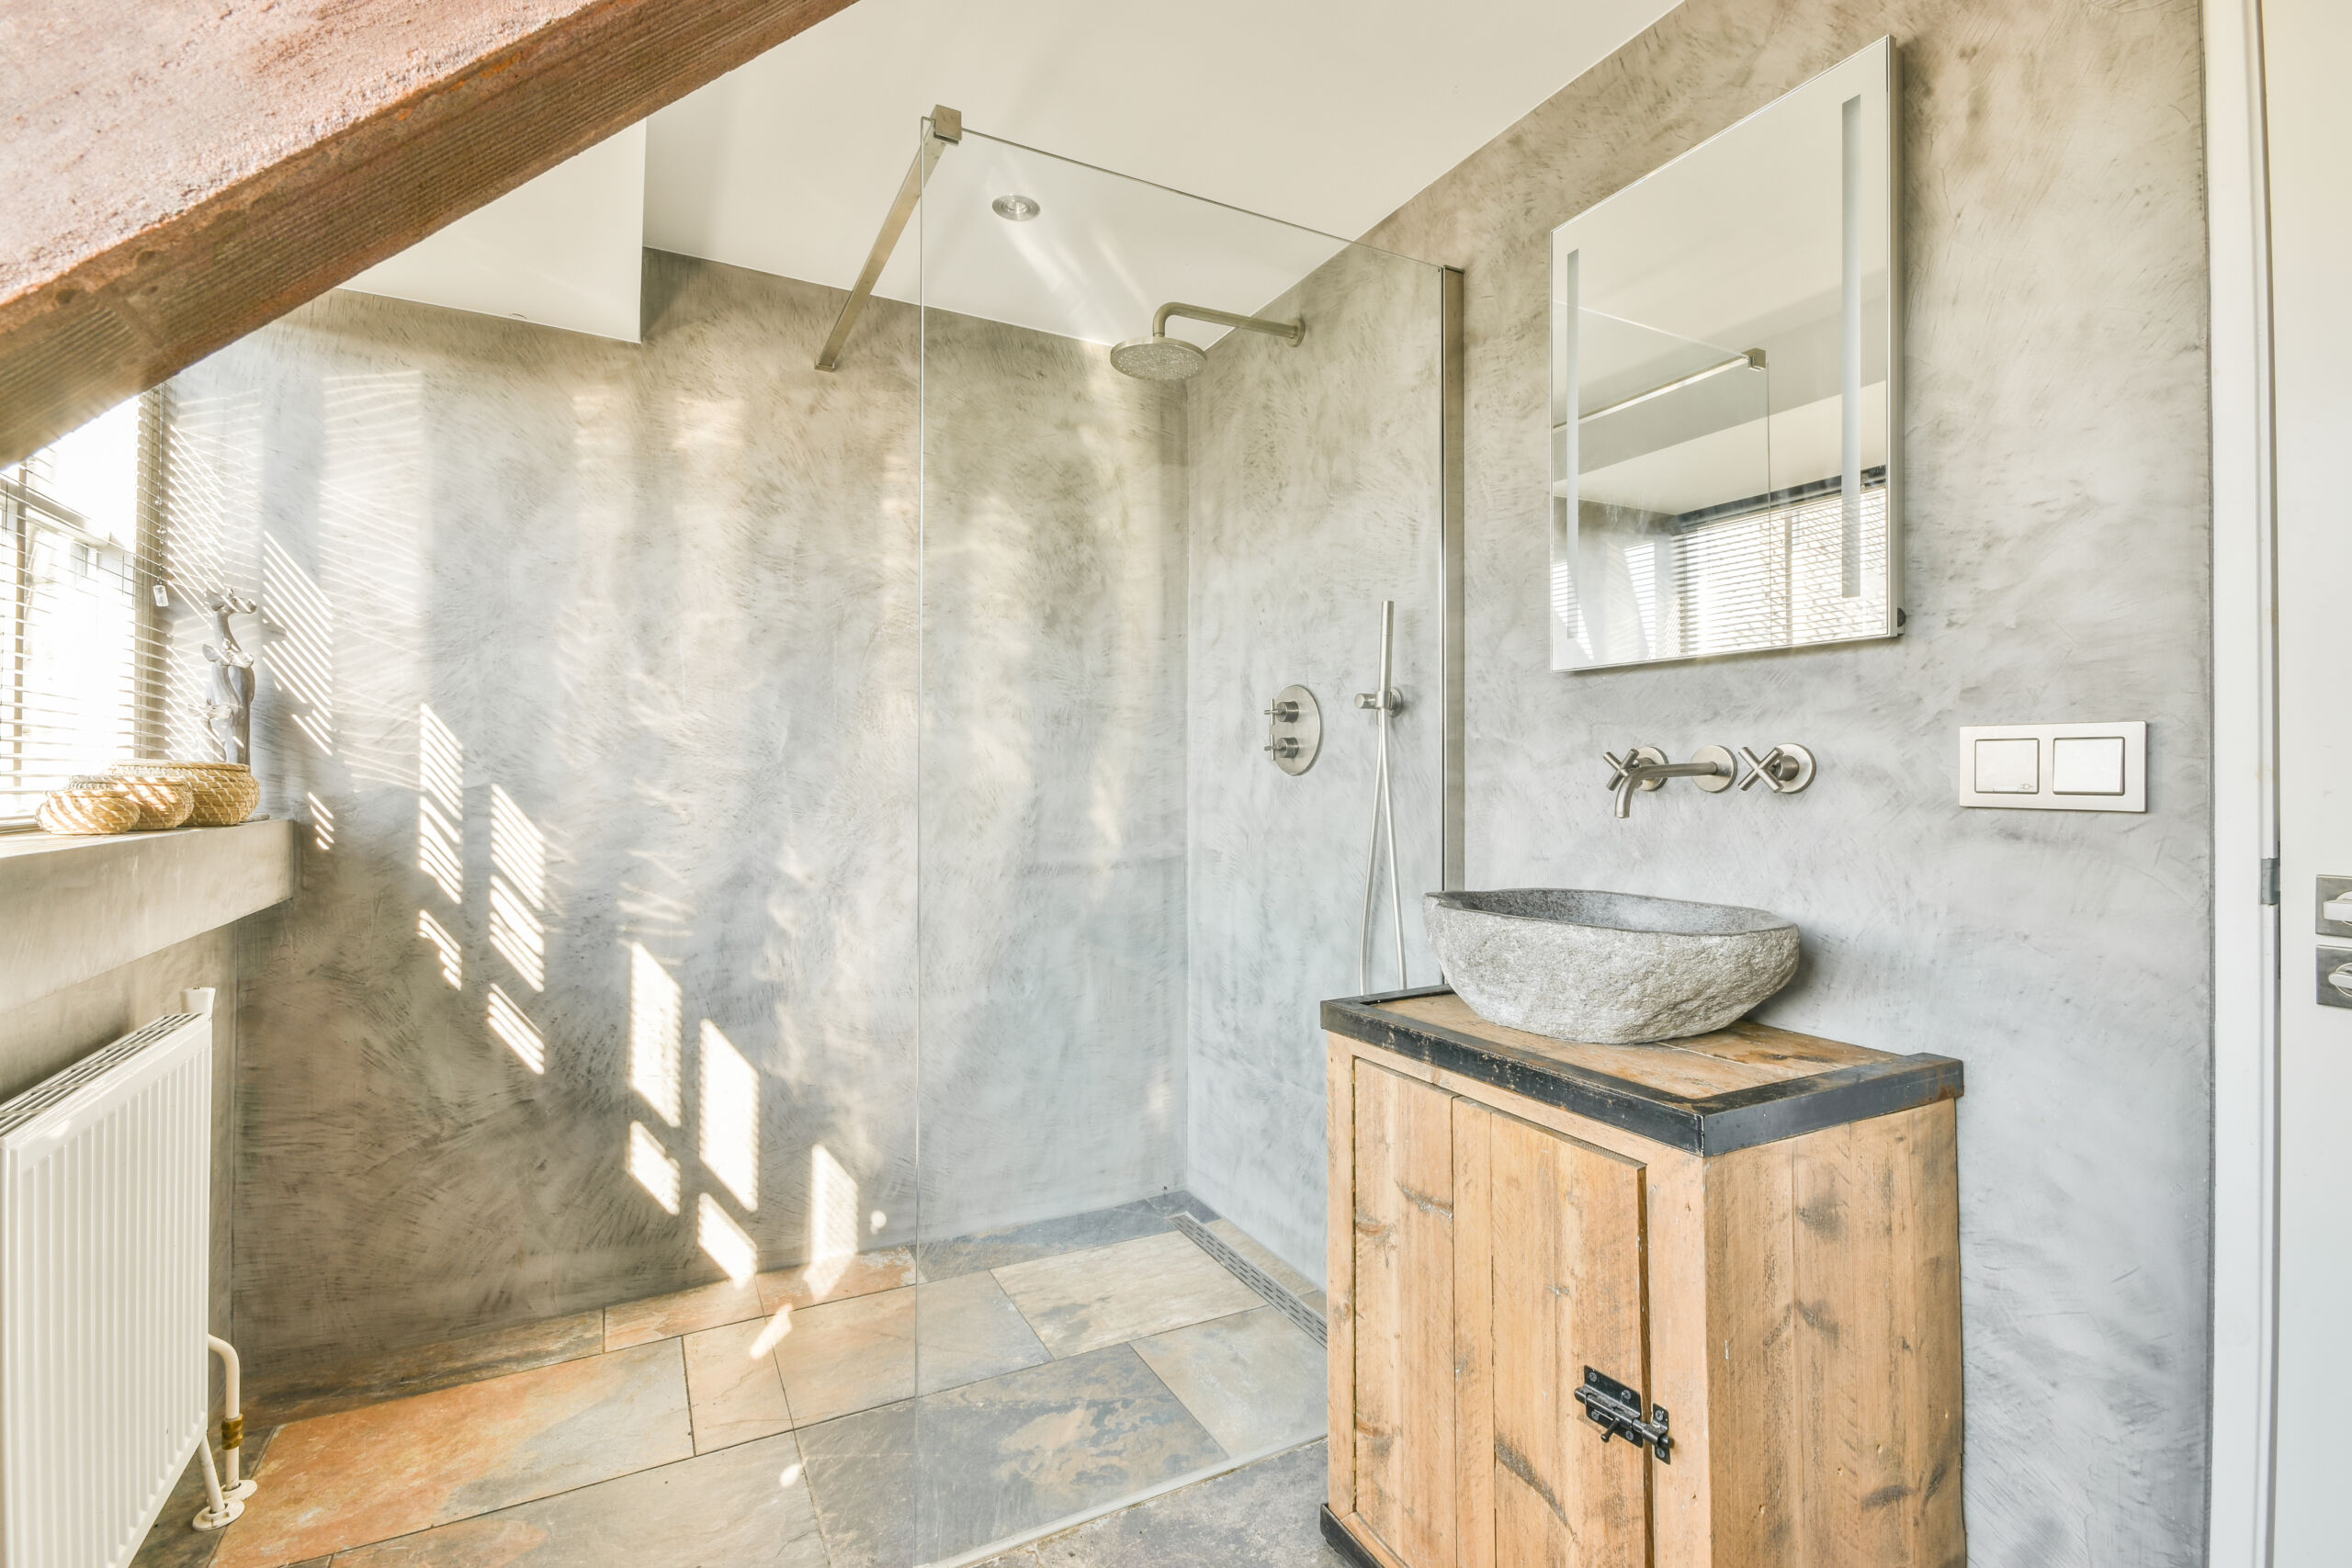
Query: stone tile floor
<point x="884" y="1411"/>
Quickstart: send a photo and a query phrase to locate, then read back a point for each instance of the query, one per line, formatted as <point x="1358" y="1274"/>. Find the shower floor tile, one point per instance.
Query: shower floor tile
<point x="1261" y="1515"/>
<point x="732" y="1385"/>
<point x="1088" y="1366"/>
<point x="847" y="1356"/>
<point x="422" y="1369"/>
<point x="931" y="1478"/>
<point x="835" y="1278"/>
<point x="1253" y="1380"/>
<point x="747" y="1508"/>
<point x="1045" y="1238"/>
<point x="365" y="1475"/>
<point x="681" y="1313"/>
<point x="1082" y="1301"/>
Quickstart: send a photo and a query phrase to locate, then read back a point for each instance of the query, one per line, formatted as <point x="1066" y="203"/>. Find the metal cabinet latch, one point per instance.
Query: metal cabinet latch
<point x="1617" y="1410"/>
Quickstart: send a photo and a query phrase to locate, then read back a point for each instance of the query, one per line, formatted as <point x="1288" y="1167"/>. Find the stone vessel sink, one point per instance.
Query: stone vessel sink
<point x="1611" y="968"/>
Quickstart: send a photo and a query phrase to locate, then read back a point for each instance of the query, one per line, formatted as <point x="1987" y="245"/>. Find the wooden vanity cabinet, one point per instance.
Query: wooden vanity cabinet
<point x="1754" y="1233"/>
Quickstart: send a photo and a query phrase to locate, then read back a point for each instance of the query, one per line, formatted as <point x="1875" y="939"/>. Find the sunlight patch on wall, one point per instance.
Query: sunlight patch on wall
<point x="506" y="1021"/>
<point x="214" y="465"/>
<point x="655" y="1029"/>
<point x="730" y="1116"/>
<point x="516" y="934"/>
<point x="651" y="1165"/>
<point x="518" y="851"/>
<point x="724" y="1240"/>
<point x="322" y="822"/>
<point x="372" y="539"/>
<point x="518" y="872"/>
<point x="832" y="1221"/>
<point x="302" y="654"/>
<point x="440" y="804"/>
<point x="453" y="966"/>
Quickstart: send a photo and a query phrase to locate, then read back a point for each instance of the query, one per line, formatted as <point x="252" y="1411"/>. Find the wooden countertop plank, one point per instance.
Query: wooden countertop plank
<point x="1674" y="1065"/>
<point x="1739" y="1087"/>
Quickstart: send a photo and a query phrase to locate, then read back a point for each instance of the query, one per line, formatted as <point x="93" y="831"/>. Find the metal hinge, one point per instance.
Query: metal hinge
<point x="1617" y="1410"/>
<point x="2270" y="880"/>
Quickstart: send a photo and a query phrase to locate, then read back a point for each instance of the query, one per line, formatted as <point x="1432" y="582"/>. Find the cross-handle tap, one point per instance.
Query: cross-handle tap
<point x="1784" y="770"/>
<point x="1645" y="767"/>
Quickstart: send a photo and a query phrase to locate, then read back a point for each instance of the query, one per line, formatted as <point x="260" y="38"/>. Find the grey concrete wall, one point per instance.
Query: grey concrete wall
<point x="654" y="610"/>
<point x="2055" y="428"/>
<point x="1315" y="495"/>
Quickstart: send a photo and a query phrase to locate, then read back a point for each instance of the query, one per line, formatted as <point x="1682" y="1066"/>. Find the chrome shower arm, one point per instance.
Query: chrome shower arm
<point x="1289" y="332"/>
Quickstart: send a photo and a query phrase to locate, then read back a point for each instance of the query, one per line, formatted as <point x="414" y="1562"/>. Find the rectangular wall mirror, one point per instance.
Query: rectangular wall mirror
<point x="1723" y="356"/>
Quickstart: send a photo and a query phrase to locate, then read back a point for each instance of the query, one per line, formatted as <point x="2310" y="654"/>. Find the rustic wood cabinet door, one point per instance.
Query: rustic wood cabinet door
<point x="1404" y="1436"/>
<point x="1550" y="1280"/>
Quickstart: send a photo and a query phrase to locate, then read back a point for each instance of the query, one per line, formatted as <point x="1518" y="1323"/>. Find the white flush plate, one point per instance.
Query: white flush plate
<point x="2055" y="767"/>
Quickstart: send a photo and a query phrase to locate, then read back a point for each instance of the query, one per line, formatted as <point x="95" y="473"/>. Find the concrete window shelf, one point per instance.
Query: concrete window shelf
<point x="73" y="907"/>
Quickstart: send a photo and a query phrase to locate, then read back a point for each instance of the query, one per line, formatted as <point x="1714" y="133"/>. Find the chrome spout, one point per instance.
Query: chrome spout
<point x="1645" y="767"/>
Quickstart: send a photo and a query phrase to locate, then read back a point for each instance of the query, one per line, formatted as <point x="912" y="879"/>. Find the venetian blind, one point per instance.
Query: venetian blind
<point x="82" y="648"/>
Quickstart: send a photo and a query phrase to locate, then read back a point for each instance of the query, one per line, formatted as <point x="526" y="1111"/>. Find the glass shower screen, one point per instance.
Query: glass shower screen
<point x="1127" y="913"/>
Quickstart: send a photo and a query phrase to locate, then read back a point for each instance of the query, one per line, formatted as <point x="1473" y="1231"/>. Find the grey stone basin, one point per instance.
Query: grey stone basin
<point x="1612" y="968"/>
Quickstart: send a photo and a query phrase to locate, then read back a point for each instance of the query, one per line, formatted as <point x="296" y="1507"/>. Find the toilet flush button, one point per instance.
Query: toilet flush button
<point x="2009" y="766"/>
<point x="2074" y="766"/>
<point x="2087" y="764"/>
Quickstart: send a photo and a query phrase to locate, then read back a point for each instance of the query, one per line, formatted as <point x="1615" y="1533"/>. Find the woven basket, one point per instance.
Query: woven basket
<point x="162" y="802"/>
<point x="87" y="811"/>
<point x="226" y="793"/>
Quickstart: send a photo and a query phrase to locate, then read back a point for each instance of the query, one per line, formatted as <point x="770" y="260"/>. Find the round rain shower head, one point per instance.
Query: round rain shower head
<point x="1016" y="209"/>
<point x="1158" y="359"/>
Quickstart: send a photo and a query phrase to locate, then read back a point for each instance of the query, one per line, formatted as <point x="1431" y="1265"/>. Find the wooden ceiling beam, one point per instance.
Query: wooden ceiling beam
<point x="181" y="172"/>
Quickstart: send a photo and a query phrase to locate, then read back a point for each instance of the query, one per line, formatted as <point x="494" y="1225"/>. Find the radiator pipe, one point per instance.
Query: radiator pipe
<point x="232" y="1415"/>
<point x="225" y="1503"/>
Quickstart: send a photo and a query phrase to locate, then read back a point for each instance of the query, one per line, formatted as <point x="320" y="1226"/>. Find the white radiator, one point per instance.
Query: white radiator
<point x="105" y="1176"/>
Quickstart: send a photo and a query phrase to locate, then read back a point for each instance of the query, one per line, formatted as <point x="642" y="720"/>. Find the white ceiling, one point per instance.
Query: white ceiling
<point x="1325" y="113"/>
<point x="561" y="252"/>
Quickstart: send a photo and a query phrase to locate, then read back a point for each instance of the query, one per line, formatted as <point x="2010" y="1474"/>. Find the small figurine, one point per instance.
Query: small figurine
<point x="229" y="705"/>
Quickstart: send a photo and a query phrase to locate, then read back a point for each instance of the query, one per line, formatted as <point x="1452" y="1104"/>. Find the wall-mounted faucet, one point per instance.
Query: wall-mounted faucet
<point x="1646" y="768"/>
<point x="1785" y="769"/>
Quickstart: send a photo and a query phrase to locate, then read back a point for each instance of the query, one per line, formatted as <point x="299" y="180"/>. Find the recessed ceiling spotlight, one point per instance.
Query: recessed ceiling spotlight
<point x="1016" y="209"/>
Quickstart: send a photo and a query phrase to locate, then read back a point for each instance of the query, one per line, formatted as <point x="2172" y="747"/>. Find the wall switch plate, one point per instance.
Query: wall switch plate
<point x="2335" y="992"/>
<point x="2056" y="767"/>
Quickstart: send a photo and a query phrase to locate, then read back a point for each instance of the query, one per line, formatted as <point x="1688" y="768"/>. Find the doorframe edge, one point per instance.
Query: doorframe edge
<point x="2243" y="774"/>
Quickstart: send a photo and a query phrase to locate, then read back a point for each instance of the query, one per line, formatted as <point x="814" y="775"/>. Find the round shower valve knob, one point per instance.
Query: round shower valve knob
<point x="1294" y="729"/>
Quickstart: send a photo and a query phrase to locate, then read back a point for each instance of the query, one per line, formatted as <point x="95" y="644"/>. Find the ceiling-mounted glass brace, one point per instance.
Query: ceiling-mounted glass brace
<point x="943" y="128"/>
<point x="1751" y="359"/>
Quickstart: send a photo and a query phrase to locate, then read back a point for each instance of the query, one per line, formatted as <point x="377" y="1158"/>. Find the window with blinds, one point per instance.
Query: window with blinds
<point x="80" y="648"/>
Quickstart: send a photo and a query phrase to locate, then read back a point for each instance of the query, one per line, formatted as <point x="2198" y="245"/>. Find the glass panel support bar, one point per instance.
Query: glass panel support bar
<point x="943" y="128"/>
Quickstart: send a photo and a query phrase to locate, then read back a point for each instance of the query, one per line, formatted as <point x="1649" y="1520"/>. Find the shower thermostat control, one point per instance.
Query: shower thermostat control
<point x="1294" y="729"/>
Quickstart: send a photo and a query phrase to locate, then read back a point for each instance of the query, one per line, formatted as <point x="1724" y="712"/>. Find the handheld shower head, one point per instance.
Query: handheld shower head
<point x="1163" y="359"/>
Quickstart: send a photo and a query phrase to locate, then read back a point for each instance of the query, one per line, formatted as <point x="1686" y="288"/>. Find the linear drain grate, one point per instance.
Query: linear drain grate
<point x="1277" y="1295"/>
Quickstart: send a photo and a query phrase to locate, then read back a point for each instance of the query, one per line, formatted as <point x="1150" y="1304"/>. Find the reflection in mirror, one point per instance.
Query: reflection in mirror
<point x="1723" y="358"/>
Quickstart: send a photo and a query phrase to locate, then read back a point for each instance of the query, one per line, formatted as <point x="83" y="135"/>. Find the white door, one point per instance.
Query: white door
<point x="2308" y="56"/>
